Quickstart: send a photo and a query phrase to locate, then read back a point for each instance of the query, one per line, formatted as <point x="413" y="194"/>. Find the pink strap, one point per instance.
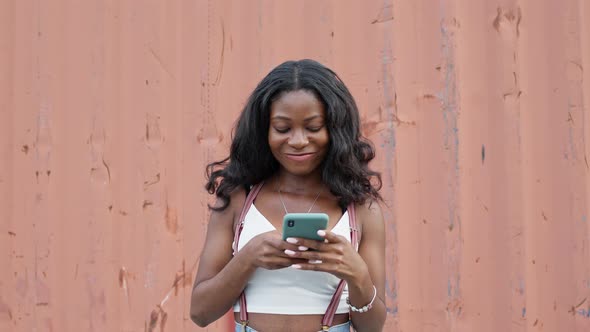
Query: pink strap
<point x="249" y="200"/>
<point x="331" y="311"/>
<point x="333" y="306"/>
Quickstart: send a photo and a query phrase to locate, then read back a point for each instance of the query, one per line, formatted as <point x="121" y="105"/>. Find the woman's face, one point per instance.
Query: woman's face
<point x="298" y="136"/>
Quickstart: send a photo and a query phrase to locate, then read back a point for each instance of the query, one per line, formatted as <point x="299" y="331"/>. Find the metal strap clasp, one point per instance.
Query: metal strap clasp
<point x="244" y="324"/>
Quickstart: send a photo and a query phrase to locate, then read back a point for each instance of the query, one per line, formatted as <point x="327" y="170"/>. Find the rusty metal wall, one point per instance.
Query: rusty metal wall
<point x="110" y="110"/>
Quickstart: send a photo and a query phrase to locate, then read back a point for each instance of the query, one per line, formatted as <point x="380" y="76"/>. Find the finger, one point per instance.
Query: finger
<point x="285" y="255"/>
<point x="298" y="253"/>
<point x="304" y="244"/>
<point x="331" y="237"/>
<point x="290" y="253"/>
<point x="313" y="266"/>
<point x="295" y="244"/>
<point x="281" y="245"/>
<point x="279" y="262"/>
<point x="311" y="255"/>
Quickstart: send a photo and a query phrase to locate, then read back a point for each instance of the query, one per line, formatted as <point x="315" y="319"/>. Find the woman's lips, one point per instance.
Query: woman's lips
<point x="300" y="157"/>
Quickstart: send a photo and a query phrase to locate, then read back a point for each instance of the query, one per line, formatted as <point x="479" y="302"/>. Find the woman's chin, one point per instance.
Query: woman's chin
<point x="300" y="170"/>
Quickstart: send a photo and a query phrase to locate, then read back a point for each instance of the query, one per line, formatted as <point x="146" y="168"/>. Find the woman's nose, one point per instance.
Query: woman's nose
<point x="298" y="140"/>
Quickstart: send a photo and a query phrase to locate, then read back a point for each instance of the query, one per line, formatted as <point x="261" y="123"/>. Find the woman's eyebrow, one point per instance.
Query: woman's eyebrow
<point x="313" y="117"/>
<point x="280" y="117"/>
<point x="283" y="117"/>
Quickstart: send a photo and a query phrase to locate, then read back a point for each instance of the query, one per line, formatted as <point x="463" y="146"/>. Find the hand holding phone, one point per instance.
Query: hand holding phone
<point x="304" y="225"/>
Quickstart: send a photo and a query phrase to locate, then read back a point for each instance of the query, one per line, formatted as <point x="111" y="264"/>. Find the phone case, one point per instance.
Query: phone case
<point x="304" y="225"/>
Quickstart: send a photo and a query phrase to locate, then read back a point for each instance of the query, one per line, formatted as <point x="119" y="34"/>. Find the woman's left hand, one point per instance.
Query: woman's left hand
<point x="335" y="255"/>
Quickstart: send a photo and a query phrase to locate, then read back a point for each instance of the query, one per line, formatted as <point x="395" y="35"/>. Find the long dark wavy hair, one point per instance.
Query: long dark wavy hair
<point x="345" y="168"/>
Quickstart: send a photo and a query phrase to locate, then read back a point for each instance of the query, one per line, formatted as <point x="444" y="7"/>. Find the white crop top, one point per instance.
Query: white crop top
<point x="289" y="291"/>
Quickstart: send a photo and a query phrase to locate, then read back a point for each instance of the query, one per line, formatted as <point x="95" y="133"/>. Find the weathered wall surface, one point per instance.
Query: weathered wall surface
<point x="109" y="111"/>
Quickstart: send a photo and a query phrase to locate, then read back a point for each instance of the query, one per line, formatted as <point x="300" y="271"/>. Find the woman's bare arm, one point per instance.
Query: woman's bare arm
<point x="361" y="269"/>
<point x="372" y="250"/>
<point x="220" y="278"/>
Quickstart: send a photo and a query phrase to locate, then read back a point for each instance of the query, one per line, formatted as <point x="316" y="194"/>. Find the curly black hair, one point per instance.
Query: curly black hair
<point x="345" y="168"/>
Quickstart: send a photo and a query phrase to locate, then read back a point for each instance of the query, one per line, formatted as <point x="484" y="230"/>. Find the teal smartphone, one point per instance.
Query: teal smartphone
<point x="304" y="225"/>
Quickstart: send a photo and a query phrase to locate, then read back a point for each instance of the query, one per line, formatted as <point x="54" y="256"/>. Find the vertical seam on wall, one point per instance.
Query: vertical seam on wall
<point x="208" y="100"/>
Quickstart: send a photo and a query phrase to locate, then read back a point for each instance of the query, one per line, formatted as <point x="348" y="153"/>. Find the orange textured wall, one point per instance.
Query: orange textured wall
<point x="110" y="110"/>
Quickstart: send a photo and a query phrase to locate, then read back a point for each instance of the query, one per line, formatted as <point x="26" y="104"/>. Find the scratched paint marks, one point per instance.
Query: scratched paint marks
<point x="171" y="218"/>
<point x="505" y="31"/>
<point x="8" y="224"/>
<point x="100" y="172"/>
<point x="164" y="141"/>
<point x="580" y="310"/>
<point x="43" y="142"/>
<point x="124" y="277"/>
<point x="8" y="158"/>
<point x="385" y="13"/>
<point x="575" y="156"/>
<point x="450" y="108"/>
<point x="153" y="133"/>
<point x="449" y="98"/>
<point x="574" y="73"/>
<point x="383" y="124"/>
<point x="154" y="207"/>
<point x="573" y="151"/>
<point x="47" y="108"/>
<point x="182" y="279"/>
<point x="96" y="296"/>
<point x="507" y="24"/>
<point x="6" y="315"/>
<point x="156" y="197"/>
<point x="522" y="100"/>
<point x="95" y="170"/>
<point x="553" y="194"/>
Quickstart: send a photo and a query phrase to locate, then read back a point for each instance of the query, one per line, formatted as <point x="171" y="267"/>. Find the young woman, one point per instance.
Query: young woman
<point x="297" y="148"/>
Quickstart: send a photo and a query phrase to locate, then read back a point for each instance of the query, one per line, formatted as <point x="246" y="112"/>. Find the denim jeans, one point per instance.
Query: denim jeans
<point x="344" y="327"/>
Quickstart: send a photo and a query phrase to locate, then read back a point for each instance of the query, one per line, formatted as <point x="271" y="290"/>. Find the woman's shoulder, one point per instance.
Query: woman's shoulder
<point x="232" y="211"/>
<point x="369" y="214"/>
<point x="368" y="209"/>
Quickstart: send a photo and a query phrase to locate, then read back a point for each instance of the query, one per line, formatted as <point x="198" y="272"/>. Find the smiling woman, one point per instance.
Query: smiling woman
<point x="298" y="137"/>
<point x="297" y="148"/>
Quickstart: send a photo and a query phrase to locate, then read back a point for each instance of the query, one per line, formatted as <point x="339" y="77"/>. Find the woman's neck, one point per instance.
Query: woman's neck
<point x="291" y="183"/>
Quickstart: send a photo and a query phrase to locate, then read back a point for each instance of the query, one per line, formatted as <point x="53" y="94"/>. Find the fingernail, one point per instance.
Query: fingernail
<point x="315" y="261"/>
<point x="289" y="252"/>
<point x="321" y="233"/>
<point x="291" y="240"/>
<point x="296" y="266"/>
<point x="302" y="248"/>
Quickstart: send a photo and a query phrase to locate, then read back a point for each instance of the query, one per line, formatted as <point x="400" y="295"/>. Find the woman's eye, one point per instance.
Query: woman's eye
<point x="315" y="129"/>
<point x="282" y="130"/>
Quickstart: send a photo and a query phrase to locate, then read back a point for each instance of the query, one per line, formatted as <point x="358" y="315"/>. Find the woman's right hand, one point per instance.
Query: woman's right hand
<point x="267" y="250"/>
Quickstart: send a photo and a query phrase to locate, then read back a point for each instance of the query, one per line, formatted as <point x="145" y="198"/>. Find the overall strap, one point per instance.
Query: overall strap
<point x="331" y="311"/>
<point x="240" y="225"/>
<point x="247" y="204"/>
